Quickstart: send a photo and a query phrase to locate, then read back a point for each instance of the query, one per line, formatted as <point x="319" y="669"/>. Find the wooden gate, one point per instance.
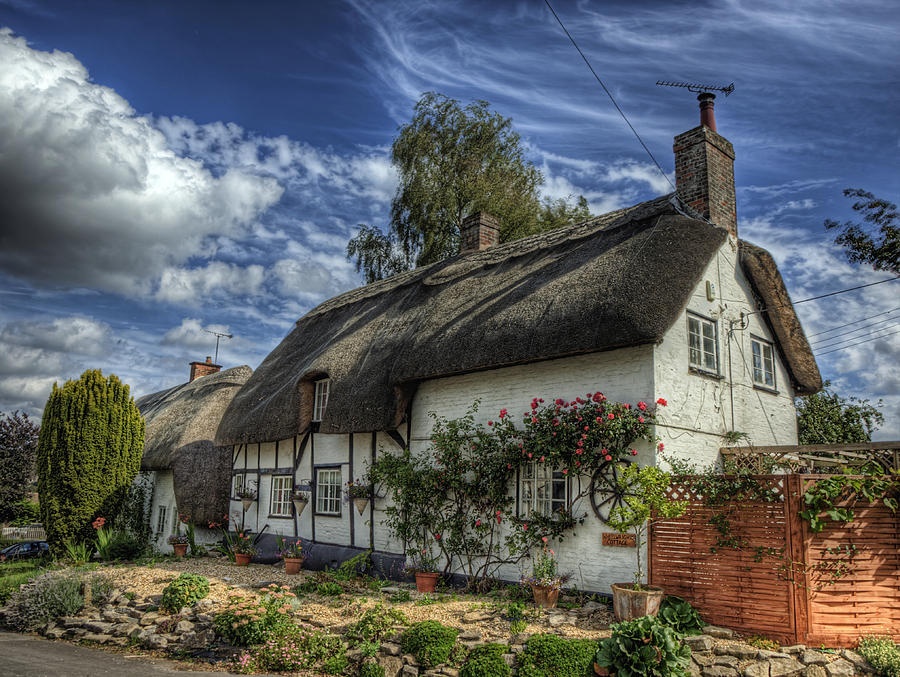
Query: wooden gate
<point x="756" y="567"/>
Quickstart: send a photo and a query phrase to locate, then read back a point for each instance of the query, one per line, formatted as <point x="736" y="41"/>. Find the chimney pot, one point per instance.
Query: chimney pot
<point x="199" y="369"/>
<point x="707" y="110"/>
<point x="479" y="231"/>
<point x="209" y="359"/>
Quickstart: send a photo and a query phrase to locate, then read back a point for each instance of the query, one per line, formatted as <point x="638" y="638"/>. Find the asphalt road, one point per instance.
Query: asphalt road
<point x="27" y="656"/>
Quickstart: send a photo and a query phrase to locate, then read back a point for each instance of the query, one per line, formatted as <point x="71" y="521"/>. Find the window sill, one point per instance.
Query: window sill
<point x="703" y="372"/>
<point x="327" y="514"/>
<point x="765" y="389"/>
<point x="281" y="517"/>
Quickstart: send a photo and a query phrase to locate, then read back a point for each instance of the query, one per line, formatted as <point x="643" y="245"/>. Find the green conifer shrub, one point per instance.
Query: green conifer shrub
<point x="89" y="452"/>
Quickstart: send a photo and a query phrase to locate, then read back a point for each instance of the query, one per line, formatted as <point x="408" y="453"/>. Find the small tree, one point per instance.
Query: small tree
<point x="89" y="452"/>
<point x="645" y="499"/>
<point x="881" y="246"/>
<point x="18" y="444"/>
<point x="827" y="418"/>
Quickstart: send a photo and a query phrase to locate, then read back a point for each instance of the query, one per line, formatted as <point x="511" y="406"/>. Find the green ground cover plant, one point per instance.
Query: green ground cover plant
<point x="14" y="574"/>
<point x="294" y="648"/>
<point x="374" y="624"/>
<point x="186" y="590"/>
<point x="882" y="654"/>
<point x="486" y="661"/>
<point x="554" y="656"/>
<point x="430" y="642"/>
<point x="644" y="647"/>
<point x="247" y="621"/>
<point x="679" y="615"/>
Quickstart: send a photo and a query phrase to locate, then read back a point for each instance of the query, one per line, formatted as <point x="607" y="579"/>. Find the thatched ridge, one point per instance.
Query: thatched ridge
<point x="180" y="430"/>
<point x="617" y="280"/>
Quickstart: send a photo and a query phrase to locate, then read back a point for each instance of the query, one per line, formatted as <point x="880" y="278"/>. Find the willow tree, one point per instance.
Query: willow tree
<point x="454" y="160"/>
<point x="89" y="452"/>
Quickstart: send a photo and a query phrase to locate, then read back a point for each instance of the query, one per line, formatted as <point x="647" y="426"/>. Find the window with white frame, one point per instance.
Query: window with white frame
<point x="543" y="490"/>
<point x="702" y="343"/>
<point x="321" y="399"/>
<point x="161" y="520"/>
<point x="237" y="484"/>
<point x="763" y="363"/>
<point x="328" y="491"/>
<point x="280" y="498"/>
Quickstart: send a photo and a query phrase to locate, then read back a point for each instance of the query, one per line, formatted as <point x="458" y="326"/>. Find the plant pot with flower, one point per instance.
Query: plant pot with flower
<point x="545" y="580"/>
<point x="300" y="500"/>
<point x="179" y="543"/>
<point x="247" y="497"/>
<point x="292" y="554"/>
<point x="359" y="493"/>
<point x="645" y="499"/>
<point x="243" y="549"/>
<point x="424" y="567"/>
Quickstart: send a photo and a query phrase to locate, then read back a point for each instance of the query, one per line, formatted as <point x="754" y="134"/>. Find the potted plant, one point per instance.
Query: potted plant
<point x="246" y="496"/>
<point x="424" y="567"/>
<point x="179" y="543"/>
<point x="644" y="498"/>
<point x="292" y="554"/>
<point x="300" y="499"/>
<point x="358" y="492"/>
<point x="243" y="549"/>
<point x="545" y="580"/>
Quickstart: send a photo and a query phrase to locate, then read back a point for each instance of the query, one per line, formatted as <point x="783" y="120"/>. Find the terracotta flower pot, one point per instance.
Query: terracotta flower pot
<point x="603" y="672"/>
<point x="292" y="565"/>
<point x="629" y="603"/>
<point x="426" y="581"/>
<point x="180" y="549"/>
<point x="361" y="504"/>
<point x="545" y="596"/>
<point x="242" y="559"/>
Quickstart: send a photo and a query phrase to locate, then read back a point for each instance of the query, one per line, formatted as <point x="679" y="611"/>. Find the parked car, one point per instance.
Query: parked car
<point x="25" y="550"/>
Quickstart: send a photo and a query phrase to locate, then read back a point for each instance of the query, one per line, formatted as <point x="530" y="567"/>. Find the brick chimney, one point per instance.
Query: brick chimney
<point x="199" y="369"/>
<point x="704" y="169"/>
<point x="479" y="231"/>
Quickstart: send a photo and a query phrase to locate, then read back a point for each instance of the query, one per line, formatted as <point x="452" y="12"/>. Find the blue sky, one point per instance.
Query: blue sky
<point x="172" y="167"/>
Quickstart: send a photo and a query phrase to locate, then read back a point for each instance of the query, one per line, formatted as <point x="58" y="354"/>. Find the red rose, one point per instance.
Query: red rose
<point x="610" y="416"/>
<point x="640" y="419"/>
<point x="642" y="406"/>
<point x="634" y="452"/>
<point x="661" y="402"/>
<point x="608" y="457"/>
<point x="490" y="423"/>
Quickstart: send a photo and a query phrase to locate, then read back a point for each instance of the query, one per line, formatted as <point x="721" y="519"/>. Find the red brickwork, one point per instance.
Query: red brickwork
<point x="704" y="175"/>
<point x="199" y="369"/>
<point x="479" y="231"/>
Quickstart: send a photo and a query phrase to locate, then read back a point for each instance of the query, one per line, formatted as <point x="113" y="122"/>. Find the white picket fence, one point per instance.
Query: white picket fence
<point x="33" y="532"/>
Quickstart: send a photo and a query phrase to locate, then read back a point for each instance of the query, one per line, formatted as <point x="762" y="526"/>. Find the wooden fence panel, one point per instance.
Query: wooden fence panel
<point x="783" y="581"/>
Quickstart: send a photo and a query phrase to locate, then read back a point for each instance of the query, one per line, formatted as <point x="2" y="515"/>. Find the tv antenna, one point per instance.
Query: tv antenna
<point x="697" y="89"/>
<point x="218" y="335"/>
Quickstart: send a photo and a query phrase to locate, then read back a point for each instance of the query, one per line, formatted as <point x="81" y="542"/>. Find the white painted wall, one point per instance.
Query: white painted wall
<point x="699" y="410"/>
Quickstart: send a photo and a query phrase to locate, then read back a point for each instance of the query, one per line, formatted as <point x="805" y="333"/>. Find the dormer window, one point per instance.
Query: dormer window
<point x="321" y="399"/>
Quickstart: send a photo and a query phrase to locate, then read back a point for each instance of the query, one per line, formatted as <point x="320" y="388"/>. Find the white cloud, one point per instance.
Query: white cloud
<point x="192" y="333"/>
<point x="93" y="195"/>
<point x="195" y="286"/>
<point x="80" y="335"/>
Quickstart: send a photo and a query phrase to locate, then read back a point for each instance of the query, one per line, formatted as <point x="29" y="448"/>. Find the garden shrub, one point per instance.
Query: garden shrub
<point x="329" y="589"/>
<point x="371" y="670"/>
<point x="294" y="648"/>
<point x="186" y="590"/>
<point x="515" y="611"/>
<point x="124" y="546"/>
<point x="644" y="646"/>
<point x="15" y="574"/>
<point x="89" y="452"/>
<point x="430" y="642"/>
<point x="486" y="661"/>
<point x="53" y="595"/>
<point x="882" y="654"/>
<point x="374" y="624"/>
<point x="553" y="656"/>
<point x="248" y="620"/>
<point x="679" y="615"/>
<point x="515" y="627"/>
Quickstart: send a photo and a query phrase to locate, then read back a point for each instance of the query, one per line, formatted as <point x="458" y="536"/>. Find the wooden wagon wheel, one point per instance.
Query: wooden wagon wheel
<point x="606" y="494"/>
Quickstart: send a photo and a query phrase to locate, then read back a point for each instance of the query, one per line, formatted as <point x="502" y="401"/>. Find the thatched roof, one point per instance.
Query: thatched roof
<point x="617" y="280"/>
<point x="179" y="435"/>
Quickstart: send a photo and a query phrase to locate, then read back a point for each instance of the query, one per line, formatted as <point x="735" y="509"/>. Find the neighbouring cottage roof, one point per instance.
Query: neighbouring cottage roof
<point x="180" y="429"/>
<point x="616" y="280"/>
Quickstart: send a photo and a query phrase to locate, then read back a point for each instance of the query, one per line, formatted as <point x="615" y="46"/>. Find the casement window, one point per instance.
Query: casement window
<point x="237" y="484"/>
<point x="161" y="520"/>
<point x="328" y="491"/>
<point x="321" y="399"/>
<point x="542" y="489"/>
<point x="703" y="344"/>
<point x="763" y="363"/>
<point x="175" y="520"/>
<point x="280" y="499"/>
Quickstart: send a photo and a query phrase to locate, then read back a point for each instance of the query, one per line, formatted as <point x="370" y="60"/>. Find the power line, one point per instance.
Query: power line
<point x="838" y="340"/>
<point x="821" y="296"/>
<point x="853" y="331"/>
<point x="862" y="319"/>
<point x="834" y="350"/>
<point x="608" y="93"/>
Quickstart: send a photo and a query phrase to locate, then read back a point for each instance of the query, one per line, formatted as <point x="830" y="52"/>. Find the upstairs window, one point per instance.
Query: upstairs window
<point x="237" y="484"/>
<point x="328" y="491"/>
<point x="321" y="399"/>
<point x="543" y="490"/>
<point x="703" y="344"/>
<point x="763" y="363"/>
